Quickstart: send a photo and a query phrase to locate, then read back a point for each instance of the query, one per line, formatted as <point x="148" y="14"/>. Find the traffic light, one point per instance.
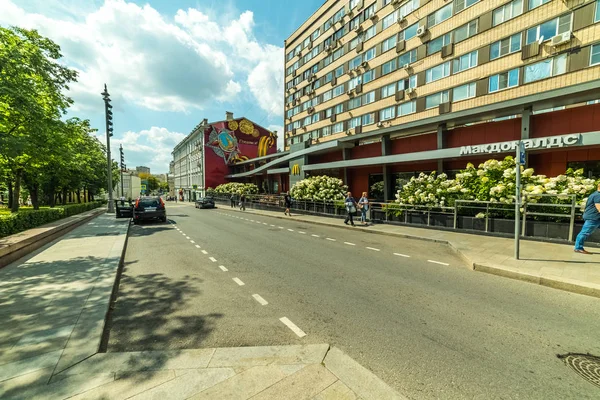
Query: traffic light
<point x="122" y="158"/>
<point x="108" y="107"/>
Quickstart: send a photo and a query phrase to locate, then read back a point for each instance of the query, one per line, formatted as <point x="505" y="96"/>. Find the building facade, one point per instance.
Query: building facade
<point x="207" y="155"/>
<point x="142" y="170"/>
<point x="381" y="89"/>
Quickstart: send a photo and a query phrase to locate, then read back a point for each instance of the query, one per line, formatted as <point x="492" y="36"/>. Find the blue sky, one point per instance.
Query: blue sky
<point x="168" y="64"/>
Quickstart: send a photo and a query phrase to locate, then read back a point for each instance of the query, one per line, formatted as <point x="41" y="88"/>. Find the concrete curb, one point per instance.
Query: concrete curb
<point x="18" y="250"/>
<point x="554" y="282"/>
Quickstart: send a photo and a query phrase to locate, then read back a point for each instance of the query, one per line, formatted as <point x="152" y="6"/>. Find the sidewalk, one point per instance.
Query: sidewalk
<point x="547" y="264"/>
<point x="53" y="306"/>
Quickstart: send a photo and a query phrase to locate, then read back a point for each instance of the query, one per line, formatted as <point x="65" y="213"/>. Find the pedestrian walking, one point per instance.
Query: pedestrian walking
<point x="363" y="205"/>
<point x="288" y="203"/>
<point x="350" y="208"/>
<point x="591" y="216"/>
<point x="243" y="202"/>
<point x="232" y="200"/>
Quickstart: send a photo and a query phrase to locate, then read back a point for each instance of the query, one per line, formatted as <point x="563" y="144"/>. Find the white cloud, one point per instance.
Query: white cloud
<point x="151" y="148"/>
<point x="156" y="62"/>
<point x="280" y="135"/>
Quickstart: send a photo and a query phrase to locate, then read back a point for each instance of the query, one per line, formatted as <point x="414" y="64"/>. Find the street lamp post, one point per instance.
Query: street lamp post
<point x="122" y="168"/>
<point x="109" y="133"/>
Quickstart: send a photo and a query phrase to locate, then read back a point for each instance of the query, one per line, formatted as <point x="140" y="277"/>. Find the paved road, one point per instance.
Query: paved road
<point x="408" y="310"/>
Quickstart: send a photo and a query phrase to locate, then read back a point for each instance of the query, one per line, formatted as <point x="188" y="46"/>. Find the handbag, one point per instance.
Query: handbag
<point x="351" y="209"/>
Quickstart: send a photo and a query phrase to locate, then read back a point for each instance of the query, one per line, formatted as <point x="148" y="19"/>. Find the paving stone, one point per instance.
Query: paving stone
<point x="245" y="356"/>
<point x="127" y="385"/>
<point x="188" y="384"/>
<point x="244" y="385"/>
<point x="16" y="388"/>
<point x="22" y="367"/>
<point x="304" y="384"/>
<point x="337" y="391"/>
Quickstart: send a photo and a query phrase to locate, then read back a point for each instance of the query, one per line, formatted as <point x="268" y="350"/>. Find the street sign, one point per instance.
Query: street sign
<point x="522" y="153"/>
<point x="143" y="187"/>
<point x="195" y="187"/>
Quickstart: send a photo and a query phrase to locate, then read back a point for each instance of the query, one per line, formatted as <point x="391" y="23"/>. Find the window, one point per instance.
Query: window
<point x="327" y="60"/>
<point x="407" y="108"/>
<point x="316" y="34"/>
<point x="307" y="121"/>
<point x="339" y="33"/>
<point x="407" y="8"/>
<point x="387" y="113"/>
<point x="355" y="62"/>
<point x="409" y="32"/>
<point x="389" y="19"/>
<point x="328" y="112"/>
<point x="326" y="131"/>
<point x="465" y="31"/>
<point x="369" y="33"/>
<point x="354" y="122"/>
<point x="328" y="77"/>
<point x="388" y="67"/>
<point x="549" y="29"/>
<point x="462" y="4"/>
<point x="353" y="3"/>
<point x="507" y="11"/>
<point x="339" y="127"/>
<point x="338" y="90"/>
<point x="339" y="15"/>
<point x="354" y="82"/>
<point x="338" y="109"/>
<point x="339" y="71"/>
<point x="437" y="72"/>
<point x="368" y="119"/>
<point x="315" y="117"/>
<point x="505" y="46"/>
<point x="536" y="3"/>
<point x="545" y="69"/>
<point x="436" y="99"/>
<point x="436" y="44"/>
<point x="388" y="90"/>
<point x="369" y="11"/>
<point x="504" y="80"/>
<point x="410" y="82"/>
<point x="327" y="96"/>
<point x="595" y="56"/>
<point x="440" y="15"/>
<point x="369" y="98"/>
<point x="354" y="22"/>
<point x="354" y="103"/>
<point x="368" y="76"/>
<point x="465" y="61"/>
<point x="389" y="43"/>
<point x="338" y="53"/>
<point x="463" y="92"/>
<point x="407" y="58"/>
<point x="597" y="16"/>
<point x="370" y="54"/>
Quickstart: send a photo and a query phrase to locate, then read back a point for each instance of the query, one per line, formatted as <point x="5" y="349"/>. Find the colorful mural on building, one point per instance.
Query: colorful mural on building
<point x="231" y="142"/>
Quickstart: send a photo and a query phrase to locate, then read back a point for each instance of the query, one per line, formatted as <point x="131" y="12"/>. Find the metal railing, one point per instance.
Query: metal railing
<point x="405" y="213"/>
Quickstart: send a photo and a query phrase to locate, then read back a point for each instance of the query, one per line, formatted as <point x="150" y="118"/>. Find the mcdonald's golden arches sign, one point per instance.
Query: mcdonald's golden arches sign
<point x="295" y="169"/>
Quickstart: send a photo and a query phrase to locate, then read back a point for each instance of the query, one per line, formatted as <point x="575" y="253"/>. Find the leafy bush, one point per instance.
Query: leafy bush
<point x="29" y="218"/>
<point x="237" y="188"/>
<point x="319" y="188"/>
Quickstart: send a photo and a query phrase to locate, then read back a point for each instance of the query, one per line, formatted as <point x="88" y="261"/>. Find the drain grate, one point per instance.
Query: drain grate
<point x="586" y="365"/>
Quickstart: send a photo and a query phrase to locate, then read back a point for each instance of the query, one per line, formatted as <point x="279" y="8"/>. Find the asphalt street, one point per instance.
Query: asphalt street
<point x="408" y="310"/>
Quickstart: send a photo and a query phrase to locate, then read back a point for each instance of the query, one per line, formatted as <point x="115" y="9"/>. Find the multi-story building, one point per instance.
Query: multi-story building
<point x="142" y="170"/>
<point x="204" y="158"/>
<point x="381" y="88"/>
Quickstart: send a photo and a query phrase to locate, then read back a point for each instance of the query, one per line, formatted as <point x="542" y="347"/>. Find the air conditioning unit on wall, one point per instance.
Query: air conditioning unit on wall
<point x="564" y="37"/>
<point x="421" y="31"/>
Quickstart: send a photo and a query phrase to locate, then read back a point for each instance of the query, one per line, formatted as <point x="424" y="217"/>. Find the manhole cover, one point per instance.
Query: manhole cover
<point x="586" y="365"/>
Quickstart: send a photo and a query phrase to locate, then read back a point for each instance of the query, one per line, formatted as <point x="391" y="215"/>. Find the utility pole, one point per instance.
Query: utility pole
<point x="520" y="160"/>
<point x="122" y="168"/>
<point x="109" y="132"/>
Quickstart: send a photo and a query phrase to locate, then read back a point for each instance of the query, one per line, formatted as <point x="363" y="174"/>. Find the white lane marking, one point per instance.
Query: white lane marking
<point x="280" y="227"/>
<point x="272" y="225"/>
<point x="437" y="262"/>
<point x="191" y="241"/>
<point x="197" y="246"/>
<point x="223" y="268"/>
<point x="315" y="235"/>
<point x="187" y="237"/>
<point x="238" y="281"/>
<point x="349" y="244"/>
<point x="401" y="255"/>
<point x="251" y="220"/>
<point x="302" y="233"/>
<point x="204" y="252"/>
<point x="293" y="327"/>
<point x="291" y="230"/>
<point x="333" y="240"/>
<point x="264" y="223"/>
<point x="212" y="259"/>
<point x="373" y="248"/>
<point x="258" y="298"/>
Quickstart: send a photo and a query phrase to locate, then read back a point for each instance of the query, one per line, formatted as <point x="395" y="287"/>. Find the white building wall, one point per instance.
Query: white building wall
<point x="188" y="165"/>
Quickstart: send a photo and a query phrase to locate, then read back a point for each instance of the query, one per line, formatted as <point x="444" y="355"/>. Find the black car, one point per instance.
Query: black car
<point x="205" y="202"/>
<point x="148" y="208"/>
<point x="123" y="209"/>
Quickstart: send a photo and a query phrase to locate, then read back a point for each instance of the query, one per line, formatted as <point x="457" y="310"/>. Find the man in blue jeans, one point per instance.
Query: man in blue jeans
<point x="591" y="216"/>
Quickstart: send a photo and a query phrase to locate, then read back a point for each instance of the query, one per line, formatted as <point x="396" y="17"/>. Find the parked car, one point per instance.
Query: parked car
<point x="205" y="202"/>
<point x="123" y="209"/>
<point x="149" y="208"/>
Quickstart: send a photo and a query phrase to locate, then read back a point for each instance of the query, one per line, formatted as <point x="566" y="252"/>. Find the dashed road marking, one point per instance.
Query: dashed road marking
<point x="264" y="223"/>
<point x="291" y="230"/>
<point x="191" y="241"/>
<point x="271" y="225"/>
<point x="223" y="268"/>
<point x="238" y="281"/>
<point x="293" y="327"/>
<point x="315" y="235"/>
<point x="333" y="240"/>
<point x="258" y="298"/>
<point x="280" y="227"/>
<point x="349" y="244"/>
<point x="401" y="255"/>
<point x="197" y="246"/>
<point x="437" y="262"/>
<point x="204" y="252"/>
<point x="187" y="237"/>
<point x="212" y="259"/>
<point x="373" y="248"/>
<point x="302" y="233"/>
